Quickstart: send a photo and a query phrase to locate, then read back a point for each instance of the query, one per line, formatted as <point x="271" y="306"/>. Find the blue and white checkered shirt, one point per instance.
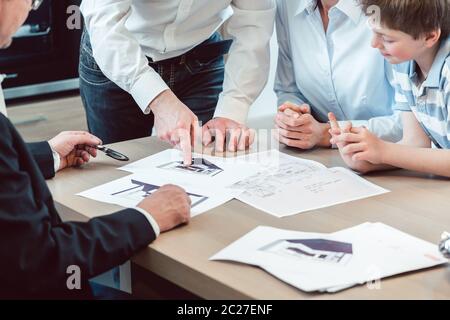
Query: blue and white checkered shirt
<point x="430" y="100"/>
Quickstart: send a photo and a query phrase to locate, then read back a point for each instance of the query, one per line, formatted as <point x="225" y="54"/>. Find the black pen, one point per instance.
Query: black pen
<point x="112" y="153"/>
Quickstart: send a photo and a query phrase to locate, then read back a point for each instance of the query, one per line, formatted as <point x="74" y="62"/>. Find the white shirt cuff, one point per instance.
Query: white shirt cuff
<point x="231" y="108"/>
<point x="56" y="160"/>
<point x="151" y="220"/>
<point x="147" y="88"/>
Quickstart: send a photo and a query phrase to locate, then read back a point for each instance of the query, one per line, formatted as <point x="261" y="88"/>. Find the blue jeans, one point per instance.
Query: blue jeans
<point x="113" y="115"/>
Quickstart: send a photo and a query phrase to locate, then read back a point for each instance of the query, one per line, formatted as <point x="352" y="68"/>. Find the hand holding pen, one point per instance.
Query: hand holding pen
<point x="75" y="148"/>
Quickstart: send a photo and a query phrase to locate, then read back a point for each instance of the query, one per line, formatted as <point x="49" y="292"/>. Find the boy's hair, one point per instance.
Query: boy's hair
<point x="414" y="17"/>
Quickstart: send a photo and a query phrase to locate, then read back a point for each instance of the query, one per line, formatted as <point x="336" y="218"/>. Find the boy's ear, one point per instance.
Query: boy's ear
<point x="432" y="37"/>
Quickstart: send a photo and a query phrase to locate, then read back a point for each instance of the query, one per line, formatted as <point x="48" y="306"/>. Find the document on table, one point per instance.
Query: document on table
<point x="271" y="181"/>
<point x="132" y="189"/>
<point x="333" y="262"/>
<point x="204" y="171"/>
<point x="296" y="185"/>
<point x="204" y="180"/>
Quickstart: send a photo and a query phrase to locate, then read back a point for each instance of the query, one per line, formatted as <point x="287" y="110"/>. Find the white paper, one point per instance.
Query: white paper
<point x="270" y="181"/>
<point x="297" y="185"/>
<point x="130" y="190"/>
<point x="378" y="251"/>
<point x="205" y="171"/>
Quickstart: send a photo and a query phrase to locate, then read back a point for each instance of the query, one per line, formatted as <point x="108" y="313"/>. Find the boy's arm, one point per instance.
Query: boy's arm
<point x="434" y="161"/>
<point x="414" y="152"/>
<point x="388" y="128"/>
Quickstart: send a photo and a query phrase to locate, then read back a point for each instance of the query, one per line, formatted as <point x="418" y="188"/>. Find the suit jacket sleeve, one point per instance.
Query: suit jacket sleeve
<point x="36" y="248"/>
<point x="42" y="154"/>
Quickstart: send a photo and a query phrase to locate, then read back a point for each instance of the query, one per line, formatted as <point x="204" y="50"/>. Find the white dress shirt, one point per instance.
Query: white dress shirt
<point x="337" y="70"/>
<point x="124" y="32"/>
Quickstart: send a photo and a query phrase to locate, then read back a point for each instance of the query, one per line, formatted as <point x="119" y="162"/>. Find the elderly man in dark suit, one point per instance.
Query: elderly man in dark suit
<point x="36" y="247"/>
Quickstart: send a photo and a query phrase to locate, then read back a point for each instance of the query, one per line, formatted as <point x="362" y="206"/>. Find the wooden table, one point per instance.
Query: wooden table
<point x="418" y="204"/>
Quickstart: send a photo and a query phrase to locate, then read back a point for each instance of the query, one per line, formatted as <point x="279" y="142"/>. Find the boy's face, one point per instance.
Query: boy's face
<point x="397" y="46"/>
<point x="13" y="14"/>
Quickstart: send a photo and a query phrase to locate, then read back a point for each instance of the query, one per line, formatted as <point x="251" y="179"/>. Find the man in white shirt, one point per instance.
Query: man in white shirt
<point x="162" y="61"/>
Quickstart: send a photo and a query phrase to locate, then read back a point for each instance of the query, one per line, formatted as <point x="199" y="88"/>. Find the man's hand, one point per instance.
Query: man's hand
<point x="227" y="134"/>
<point x="74" y="147"/>
<point x="299" y="129"/>
<point x="170" y="206"/>
<point x="175" y="123"/>
<point x="338" y="137"/>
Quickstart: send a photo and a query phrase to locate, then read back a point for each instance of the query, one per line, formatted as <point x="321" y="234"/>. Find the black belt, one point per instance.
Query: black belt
<point x="204" y="51"/>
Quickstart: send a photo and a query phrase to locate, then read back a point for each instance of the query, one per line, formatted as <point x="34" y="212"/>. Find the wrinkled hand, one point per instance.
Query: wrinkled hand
<point x="299" y="129"/>
<point x="338" y="137"/>
<point x="227" y="134"/>
<point x="74" y="147"/>
<point x="170" y="206"/>
<point x="175" y="123"/>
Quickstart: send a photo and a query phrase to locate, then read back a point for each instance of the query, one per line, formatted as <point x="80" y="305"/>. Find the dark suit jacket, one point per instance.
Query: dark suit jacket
<point x="36" y="248"/>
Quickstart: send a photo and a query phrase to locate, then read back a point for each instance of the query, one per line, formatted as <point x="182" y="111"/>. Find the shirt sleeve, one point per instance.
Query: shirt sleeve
<point x="387" y="128"/>
<point x="118" y="53"/>
<point x="42" y="154"/>
<point x="2" y="98"/>
<point x="446" y="91"/>
<point x="390" y="127"/>
<point x="446" y="86"/>
<point x="394" y="76"/>
<point x="248" y="64"/>
<point x="56" y="160"/>
<point x="151" y="220"/>
<point x="285" y="85"/>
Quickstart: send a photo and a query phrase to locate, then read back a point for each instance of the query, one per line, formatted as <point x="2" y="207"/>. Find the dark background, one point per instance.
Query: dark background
<point x="43" y="58"/>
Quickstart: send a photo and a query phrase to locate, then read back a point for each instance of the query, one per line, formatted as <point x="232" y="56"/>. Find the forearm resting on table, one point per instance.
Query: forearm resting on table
<point x="421" y="159"/>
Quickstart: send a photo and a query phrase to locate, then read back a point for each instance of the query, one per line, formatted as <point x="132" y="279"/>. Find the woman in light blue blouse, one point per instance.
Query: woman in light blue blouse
<point x="326" y="64"/>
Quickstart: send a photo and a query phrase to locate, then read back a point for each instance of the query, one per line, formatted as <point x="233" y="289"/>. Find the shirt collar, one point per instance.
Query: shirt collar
<point x="349" y="7"/>
<point x="434" y="77"/>
<point x="308" y="5"/>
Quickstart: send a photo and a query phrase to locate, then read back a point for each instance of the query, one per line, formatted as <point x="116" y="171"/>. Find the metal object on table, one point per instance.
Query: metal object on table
<point x="444" y="246"/>
<point x="112" y="153"/>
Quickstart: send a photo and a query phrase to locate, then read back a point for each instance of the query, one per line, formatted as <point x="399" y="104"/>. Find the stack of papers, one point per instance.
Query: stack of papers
<point x="271" y="181"/>
<point x="290" y="185"/>
<point x="205" y="180"/>
<point x="333" y="262"/>
<point x="129" y="191"/>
